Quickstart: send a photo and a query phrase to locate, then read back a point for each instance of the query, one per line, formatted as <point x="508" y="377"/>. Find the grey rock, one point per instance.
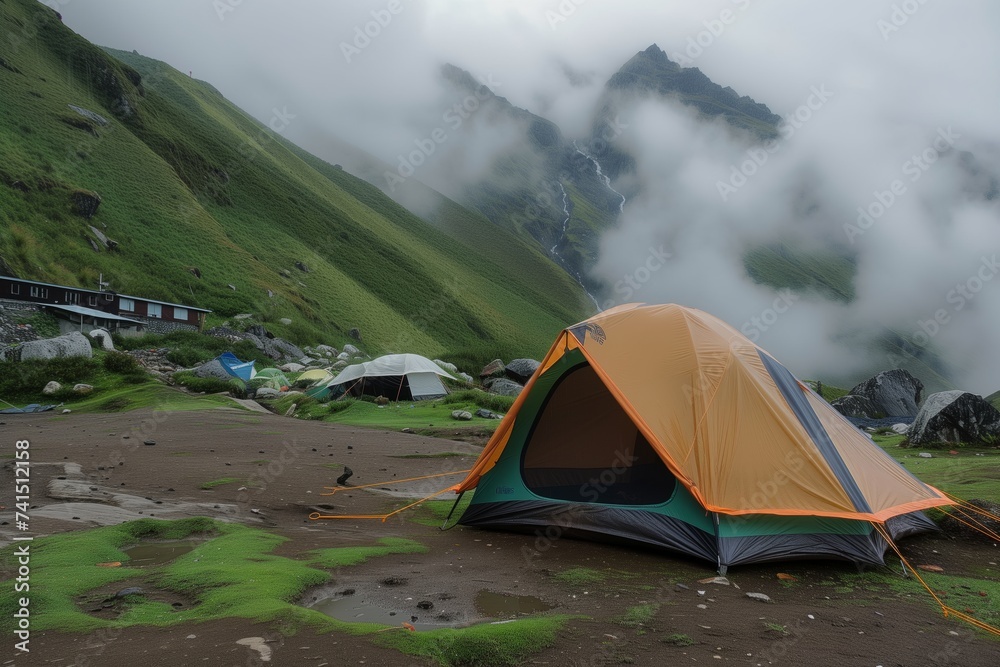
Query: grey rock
<point x="103" y="337"/>
<point x="355" y="333"/>
<point x="902" y="429"/>
<point x="288" y="350"/>
<point x="259" y="331"/>
<point x="51" y="388"/>
<point x="73" y="344"/>
<point x="291" y="367"/>
<point x="956" y="417"/>
<point x="503" y="387"/>
<point x="267" y="392"/>
<point x="493" y="369"/>
<point x="855" y="406"/>
<point x="307" y="360"/>
<point x="85" y="203"/>
<point x="521" y="370"/>
<point x="83" y="389"/>
<point x="133" y="590"/>
<point x="895" y="393"/>
<point x="760" y="597"/>
<point x="465" y="377"/>
<point x="461" y="415"/>
<point x="451" y="368"/>
<point x="326" y="350"/>
<point x="286" y="321"/>
<point x="338" y="365"/>
<point x="90" y="115"/>
<point x="212" y="369"/>
<point x="925" y="455"/>
<point x="487" y="414"/>
<point x="350" y="350"/>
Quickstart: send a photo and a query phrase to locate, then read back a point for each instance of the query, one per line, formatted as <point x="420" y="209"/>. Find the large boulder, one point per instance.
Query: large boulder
<point x="894" y="393"/>
<point x="503" y="387"/>
<point x="287" y="350"/>
<point x="521" y="370"/>
<point x="956" y="417"/>
<point x="103" y="337"/>
<point x="493" y="369"/>
<point x="73" y="344"/>
<point x="856" y="406"/>
<point x="213" y="369"/>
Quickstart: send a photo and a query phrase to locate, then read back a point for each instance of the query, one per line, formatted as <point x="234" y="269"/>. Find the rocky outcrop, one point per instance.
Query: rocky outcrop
<point x="894" y="393"/>
<point x="521" y="370"/>
<point x="73" y="344"/>
<point x="957" y="417"/>
<point x="856" y="406"/>
<point x="85" y="203"/>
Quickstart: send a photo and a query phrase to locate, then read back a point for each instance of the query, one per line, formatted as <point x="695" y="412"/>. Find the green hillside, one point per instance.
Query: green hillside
<point x="190" y="184"/>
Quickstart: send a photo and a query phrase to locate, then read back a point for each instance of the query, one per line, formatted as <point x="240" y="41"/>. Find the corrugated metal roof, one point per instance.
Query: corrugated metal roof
<point x="90" y="312"/>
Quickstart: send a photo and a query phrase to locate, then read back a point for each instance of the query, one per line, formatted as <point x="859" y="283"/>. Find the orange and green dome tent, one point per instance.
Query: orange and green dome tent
<point x="663" y="425"/>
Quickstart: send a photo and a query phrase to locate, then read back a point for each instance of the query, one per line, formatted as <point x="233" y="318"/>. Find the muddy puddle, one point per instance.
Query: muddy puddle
<point x="149" y="554"/>
<point x="426" y="615"/>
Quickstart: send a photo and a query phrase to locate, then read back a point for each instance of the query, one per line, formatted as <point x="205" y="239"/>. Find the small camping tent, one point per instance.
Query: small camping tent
<point x="665" y="426"/>
<point x="398" y="377"/>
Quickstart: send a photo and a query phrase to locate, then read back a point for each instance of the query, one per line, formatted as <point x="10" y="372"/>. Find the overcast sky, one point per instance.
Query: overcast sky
<point x="897" y="73"/>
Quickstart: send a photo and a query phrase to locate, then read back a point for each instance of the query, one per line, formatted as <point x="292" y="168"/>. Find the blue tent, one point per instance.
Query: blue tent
<point x="241" y="369"/>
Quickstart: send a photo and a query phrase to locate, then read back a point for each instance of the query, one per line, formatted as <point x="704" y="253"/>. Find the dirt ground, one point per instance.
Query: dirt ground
<point x="107" y="479"/>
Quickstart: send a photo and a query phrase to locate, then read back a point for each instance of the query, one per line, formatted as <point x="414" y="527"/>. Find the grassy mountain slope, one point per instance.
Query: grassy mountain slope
<point x="188" y="180"/>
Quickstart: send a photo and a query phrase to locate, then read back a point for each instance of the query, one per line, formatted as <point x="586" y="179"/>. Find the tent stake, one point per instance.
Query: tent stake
<point x="447" y="518"/>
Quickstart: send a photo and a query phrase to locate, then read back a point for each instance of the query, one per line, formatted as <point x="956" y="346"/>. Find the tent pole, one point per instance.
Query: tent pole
<point x="718" y="545"/>
<point x="457" y="500"/>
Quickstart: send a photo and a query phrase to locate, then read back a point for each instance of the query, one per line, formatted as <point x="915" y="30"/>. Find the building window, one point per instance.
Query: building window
<point x="15" y="289"/>
<point x="154" y="310"/>
<point x="109" y="297"/>
<point x="39" y="292"/>
<point x="72" y="297"/>
<point x="127" y="305"/>
<point x="92" y="300"/>
<point x="180" y="314"/>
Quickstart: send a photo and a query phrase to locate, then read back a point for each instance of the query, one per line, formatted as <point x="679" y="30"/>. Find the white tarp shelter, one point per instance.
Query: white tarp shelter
<point x="398" y="377"/>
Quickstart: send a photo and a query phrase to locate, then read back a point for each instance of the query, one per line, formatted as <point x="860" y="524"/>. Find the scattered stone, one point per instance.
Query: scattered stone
<point x="355" y="333"/>
<point x="350" y="350"/>
<point x="487" y="414"/>
<point x="291" y="367"/>
<point x="51" y="388"/>
<point x="149" y="443"/>
<point x="90" y="115"/>
<point x="257" y="644"/>
<point x="722" y="581"/>
<point x="286" y="321"/>
<point x="407" y="430"/>
<point x="465" y="377"/>
<point x="425" y="605"/>
<point x="302" y="267"/>
<point x="461" y="415"/>
<point x="266" y="392"/>
<point x="760" y="597"/>
<point x="342" y="480"/>
<point x="66" y="411"/>
<point x="925" y="455"/>
<point x="395" y="581"/>
<point x="291" y="409"/>
<point x="83" y="389"/>
<point x="930" y="568"/>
